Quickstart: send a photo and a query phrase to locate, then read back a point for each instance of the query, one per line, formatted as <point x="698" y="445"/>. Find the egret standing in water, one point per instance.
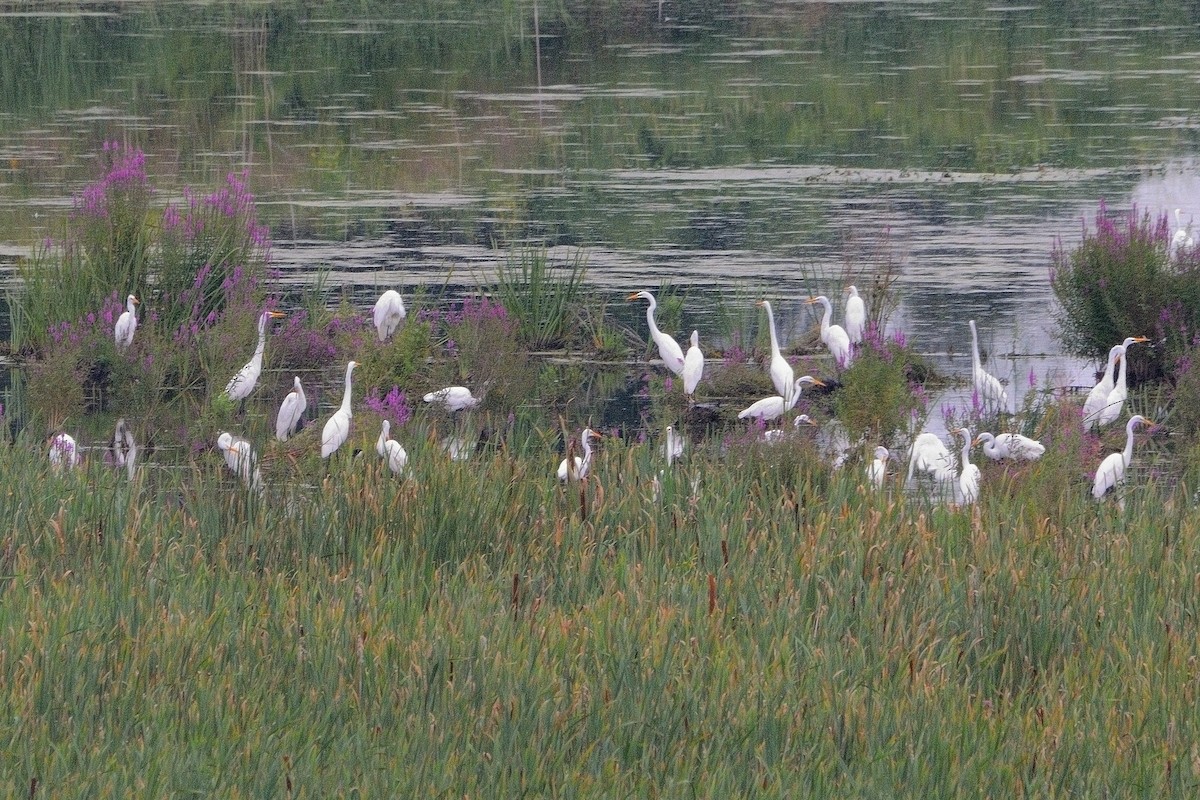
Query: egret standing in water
<point x="1097" y="398"/>
<point x="782" y="376"/>
<point x="693" y="367"/>
<point x="834" y="336"/>
<point x="856" y="315"/>
<point x="126" y="324"/>
<point x="987" y="387"/>
<point x="290" y="411"/>
<point x="454" y="398"/>
<point x="390" y="449"/>
<point x="388" y="313"/>
<point x="968" y="481"/>
<point x="337" y="429"/>
<point x="242" y="384"/>
<point x="769" y="408"/>
<point x="574" y="468"/>
<point x="668" y="348"/>
<point x="124" y="448"/>
<point x="1111" y="472"/>
<point x="1011" y="446"/>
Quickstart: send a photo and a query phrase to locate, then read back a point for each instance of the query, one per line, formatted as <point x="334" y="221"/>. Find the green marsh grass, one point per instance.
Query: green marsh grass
<point x="766" y="628"/>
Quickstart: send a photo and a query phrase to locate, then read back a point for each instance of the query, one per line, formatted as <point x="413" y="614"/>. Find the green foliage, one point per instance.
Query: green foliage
<point x="880" y="395"/>
<point x="1123" y="281"/>
<point x="542" y="298"/>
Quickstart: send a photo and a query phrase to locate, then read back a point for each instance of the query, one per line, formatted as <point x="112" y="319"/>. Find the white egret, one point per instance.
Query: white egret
<point x="457" y="448"/>
<point x="1183" y="233"/>
<point x="578" y="470"/>
<point x="968" y="481"/>
<point x="126" y="324"/>
<point x="778" y="435"/>
<point x="987" y="387"/>
<point x="833" y="443"/>
<point x="668" y="348"/>
<point x="771" y="407"/>
<point x="834" y="336"/>
<point x="782" y="377"/>
<point x="1116" y="398"/>
<point x="928" y="454"/>
<point x="1112" y="469"/>
<point x="454" y="398"/>
<point x="1012" y="446"/>
<point x="242" y="384"/>
<point x="124" y="448"/>
<point x="241" y="459"/>
<point x="390" y="449"/>
<point x="877" y="469"/>
<point x="290" y="411"/>
<point x="64" y="452"/>
<point x="672" y="446"/>
<point x="389" y="313"/>
<point x="856" y="315"/>
<point x="693" y="366"/>
<point x="1097" y="399"/>
<point x="337" y="429"/>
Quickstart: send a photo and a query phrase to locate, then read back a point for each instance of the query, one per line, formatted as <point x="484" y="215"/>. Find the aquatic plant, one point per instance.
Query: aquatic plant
<point x="876" y="399"/>
<point x="542" y="298"/>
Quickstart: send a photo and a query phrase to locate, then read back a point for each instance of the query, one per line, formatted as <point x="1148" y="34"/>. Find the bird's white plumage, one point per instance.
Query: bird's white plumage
<point x="987" y="386"/>
<point x="454" y="398"/>
<point x="668" y="349"/>
<point x="1111" y="472"/>
<point x="1099" y="393"/>
<point x="290" y="411"/>
<point x="388" y="313"/>
<point x="391" y="450"/>
<point x="775" y="406"/>
<point x="581" y="465"/>
<point x="126" y="324"/>
<point x="968" y="480"/>
<point x="124" y="448"/>
<point x="834" y="336"/>
<point x="693" y="366"/>
<point x="877" y="469"/>
<point x="672" y="447"/>
<point x="1182" y="239"/>
<point x="782" y="376"/>
<point x="928" y="454"/>
<point x="64" y="453"/>
<point x="241" y="459"/>
<point x="778" y="435"/>
<point x="1011" y="446"/>
<point x="337" y="429"/>
<point x="242" y="384"/>
<point x="856" y="315"/>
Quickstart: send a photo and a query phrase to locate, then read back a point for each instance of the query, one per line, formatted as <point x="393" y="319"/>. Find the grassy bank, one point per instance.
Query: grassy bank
<point x="478" y="631"/>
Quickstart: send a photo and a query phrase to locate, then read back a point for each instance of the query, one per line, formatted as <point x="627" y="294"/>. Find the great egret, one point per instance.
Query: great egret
<point x="1098" y="398"/>
<point x="241" y="459"/>
<point x="877" y="469"/>
<point x="782" y="377"/>
<point x="968" y="481"/>
<point x="337" y="429"/>
<point x="834" y="336"/>
<point x="457" y="448"/>
<point x="389" y="313"/>
<point x="63" y="452"/>
<point x="856" y="315"/>
<point x="126" y="324"/>
<point x="928" y="454"/>
<point x="242" y="384"/>
<point x="389" y="448"/>
<point x="778" y="435"/>
<point x="668" y="348"/>
<point x="672" y="445"/>
<point x="771" y="407"/>
<point x="454" y="398"/>
<point x="1183" y="234"/>
<point x="1012" y="446"/>
<point x="833" y="443"/>
<point x="1116" y="398"/>
<point x="290" y="411"/>
<point x="693" y="366"/>
<point x="581" y="466"/>
<point x="1112" y="469"/>
<point x="124" y="448"/>
<point x="988" y="388"/>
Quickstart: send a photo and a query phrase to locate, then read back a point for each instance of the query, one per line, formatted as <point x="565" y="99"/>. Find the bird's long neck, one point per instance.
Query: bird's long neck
<point x="587" y="449"/>
<point x="650" y="315"/>
<point x="828" y="315"/>
<point x="262" y="338"/>
<point x="129" y="307"/>
<point x="346" y="395"/>
<point x="1123" y="377"/>
<point x="975" y="361"/>
<point x="1108" y="369"/>
<point x="771" y="326"/>
<point x="966" y="451"/>
<point x="795" y="398"/>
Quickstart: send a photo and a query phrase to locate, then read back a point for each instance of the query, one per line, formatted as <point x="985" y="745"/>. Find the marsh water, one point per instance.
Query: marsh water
<point x="741" y="149"/>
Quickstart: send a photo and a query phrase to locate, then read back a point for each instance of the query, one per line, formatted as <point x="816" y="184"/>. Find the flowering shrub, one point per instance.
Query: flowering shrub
<point x="1122" y="281"/>
<point x="881" y="391"/>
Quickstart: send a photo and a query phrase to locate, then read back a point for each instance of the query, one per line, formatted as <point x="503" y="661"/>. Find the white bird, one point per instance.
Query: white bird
<point x="1115" y="401"/>
<point x="1097" y="399"/>
<point x="1183" y="234"/>
<point x="672" y="446"/>
<point x="928" y="454"/>
<point x="834" y="336"/>
<point x="124" y="448"/>
<point x="775" y="406"/>
<point x="454" y="398"/>
<point x="337" y="429"/>
<point x="290" y="411"/>
<point x="389" y="313"/>
<point x="987" y="387"/>
<point x="856" y="315"/>
<point x="241" y="459"/>
<point x="1012" y="446"/>
<point x="877" y="469"/>
<point x="668" y="348"/>
<point x="126" y="324"/>
<point x="457" y="448"/>
<point x="968" y="481"/>
<point x="833" y="443"/>
<point x="782" y="377"/>
<point x="1112" y="469"/>
<point x="64" y="452"/>
<point x="693" y="366"/>
<point x="242" y="384"/>
<point x="778" y="435"/>
<point x="389" y="448"/>
<point x="581" y="466"/>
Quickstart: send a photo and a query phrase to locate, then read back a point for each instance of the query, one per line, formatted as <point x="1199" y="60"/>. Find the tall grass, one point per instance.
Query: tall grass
<point x="770" y="630"/>
<point x="543" y="298"/>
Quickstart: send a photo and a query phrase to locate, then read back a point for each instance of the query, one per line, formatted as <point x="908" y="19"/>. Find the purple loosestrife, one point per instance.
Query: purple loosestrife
<point x="393" y="406"/>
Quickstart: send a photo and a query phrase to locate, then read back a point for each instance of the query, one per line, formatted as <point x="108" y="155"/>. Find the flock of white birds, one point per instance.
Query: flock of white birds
<point x="928" y="454"/>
